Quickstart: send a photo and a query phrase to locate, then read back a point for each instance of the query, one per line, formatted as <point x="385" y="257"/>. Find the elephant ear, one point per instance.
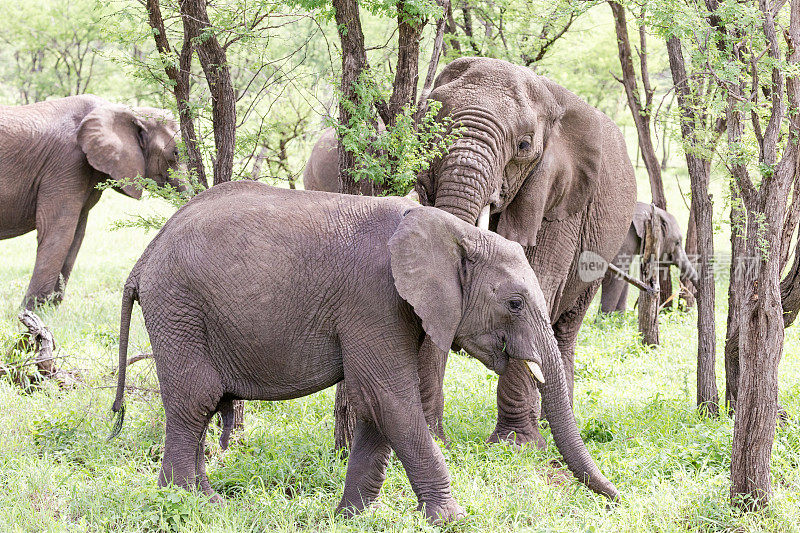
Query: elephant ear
<point x="113" y="139"/>
<point x="640" y="217"/>
<point x="566" y="177"/>
<point x="428" y="254"/>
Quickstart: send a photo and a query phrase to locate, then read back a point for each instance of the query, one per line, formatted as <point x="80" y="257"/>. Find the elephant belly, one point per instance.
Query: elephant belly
<point x="17" y="216"/>
<point x="279" y="367"/>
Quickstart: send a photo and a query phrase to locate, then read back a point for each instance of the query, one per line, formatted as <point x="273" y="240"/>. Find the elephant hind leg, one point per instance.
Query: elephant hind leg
<point x="622" y="304"/>
<point x="614" y="294"/>
<point x="200" y="466"/>
<point x="366" y="468"/>
<point x="191" y="390"/>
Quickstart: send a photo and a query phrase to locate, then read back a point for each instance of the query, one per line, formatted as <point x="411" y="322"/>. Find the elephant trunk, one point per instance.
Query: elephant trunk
<point x="556" y="403"/>
<point x="464" y="182"/>
<point x="685" y="266"/>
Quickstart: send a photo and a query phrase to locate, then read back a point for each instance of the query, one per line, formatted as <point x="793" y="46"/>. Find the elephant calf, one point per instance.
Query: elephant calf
<point x="614" y="295"/>
<point x="258" y="293"/>
<point x="52" y="157"/>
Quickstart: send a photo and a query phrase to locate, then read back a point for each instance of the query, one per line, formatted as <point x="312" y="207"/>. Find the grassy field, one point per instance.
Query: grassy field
<point x="635" y="408"/>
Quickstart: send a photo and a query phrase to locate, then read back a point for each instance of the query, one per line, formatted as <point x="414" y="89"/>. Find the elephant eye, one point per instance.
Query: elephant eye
<point x="515" y="304"/>
<point x="524" y="146"/>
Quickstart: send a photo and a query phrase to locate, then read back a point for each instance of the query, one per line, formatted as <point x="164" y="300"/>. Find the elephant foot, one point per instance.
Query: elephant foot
<point x="216" y="499"/>
<point x="348" y="508"/>
<point x="441" y="513"/>
<point x="519" y="436"/>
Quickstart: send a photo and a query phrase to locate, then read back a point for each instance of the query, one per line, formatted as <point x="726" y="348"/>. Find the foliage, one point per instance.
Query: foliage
<point x="519" y="31"/>
<point x="278" y="61"/>
<point x="392" y="156"/>
<point x="166" y="192"/>
<point x="53" y="48"/>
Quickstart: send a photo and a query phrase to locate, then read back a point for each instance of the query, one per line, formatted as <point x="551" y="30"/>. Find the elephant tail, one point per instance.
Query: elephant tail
<point x="128" y="297"/>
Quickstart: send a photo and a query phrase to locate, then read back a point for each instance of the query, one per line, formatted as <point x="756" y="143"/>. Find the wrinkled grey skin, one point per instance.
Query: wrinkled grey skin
<point x="261" y="304"/>
<point x="52" y="156"/>
<point x="557" y="178"/>
<point x="322" y="169"/>
<point x="614" y="296"/>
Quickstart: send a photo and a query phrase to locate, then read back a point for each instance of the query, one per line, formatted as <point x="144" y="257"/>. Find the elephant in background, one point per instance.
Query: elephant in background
<point x="614" y="295"/>
<point x="53" y="155"/>
<point x="322" y="168"/>
<point x="274" y="329"/>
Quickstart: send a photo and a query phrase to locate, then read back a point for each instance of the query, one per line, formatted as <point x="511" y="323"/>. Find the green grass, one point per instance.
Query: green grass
<point x="635" y="408"/>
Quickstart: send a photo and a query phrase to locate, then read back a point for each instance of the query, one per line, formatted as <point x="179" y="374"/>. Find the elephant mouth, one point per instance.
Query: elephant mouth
<point x="495" y="359"/>
<point x="500" y="363"/>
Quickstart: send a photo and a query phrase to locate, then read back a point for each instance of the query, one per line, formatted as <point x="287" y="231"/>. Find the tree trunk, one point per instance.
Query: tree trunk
<point x="760" y="347"/>
<point x="404" y="88"/>
<point x="707" y="395"/>
<point x="688" y="289"/>
<point x="648" y="302"/>
<point x="354" y="63"/>
<point x="761" y="313"/>
<point x="735" y="290"/>
<point x="261" y="156"/>
<point x="180" y="77"/>
<point x="642" y="113"/>
<point x="218" y="77"/>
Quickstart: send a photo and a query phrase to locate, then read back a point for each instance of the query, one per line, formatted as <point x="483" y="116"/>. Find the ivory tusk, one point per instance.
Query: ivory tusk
<point x="536" y="371"/>
<point x="483" y="219"/>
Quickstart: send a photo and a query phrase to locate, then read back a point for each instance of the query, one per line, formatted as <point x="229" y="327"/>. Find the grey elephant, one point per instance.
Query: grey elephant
<point x="260" y="304"/>
<point x="541" y="167"/>
<point x="321" y="172"/>
<point x="322" y="168"/>
<point x="614" y="296"/>
<point x="53" y="155"/>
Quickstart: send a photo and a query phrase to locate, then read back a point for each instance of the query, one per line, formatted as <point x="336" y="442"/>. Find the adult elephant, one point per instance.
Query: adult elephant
<point x="614" y="296"/>
<point x="539" y="166"/>
<point x="548" y="171"/>
<point x="52" y="157"/>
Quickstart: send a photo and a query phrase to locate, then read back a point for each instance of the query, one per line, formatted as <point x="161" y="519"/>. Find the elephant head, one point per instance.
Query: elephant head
<point x="124" y="142"/>
<point x="530" y="149"/>
<point x="672" y="251"/>
<point x="475" y="290"/>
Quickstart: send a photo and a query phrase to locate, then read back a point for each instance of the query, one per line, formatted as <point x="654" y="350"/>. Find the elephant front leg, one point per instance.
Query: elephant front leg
<point x="566" y="328"/>
<point x="72" y="254"/>
<point x="55" y="237"/>
<point x="389" y="397"/>
<point x="432" y="363"/>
